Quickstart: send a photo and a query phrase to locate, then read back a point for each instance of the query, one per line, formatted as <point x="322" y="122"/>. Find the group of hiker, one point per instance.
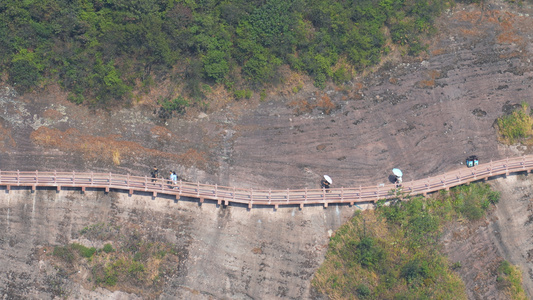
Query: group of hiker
<point x="172" y="178"/>
<point x="325" y="182"/>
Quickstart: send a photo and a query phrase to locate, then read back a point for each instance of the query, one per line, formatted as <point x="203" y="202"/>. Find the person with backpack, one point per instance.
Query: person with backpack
<point x="154" y="173"/>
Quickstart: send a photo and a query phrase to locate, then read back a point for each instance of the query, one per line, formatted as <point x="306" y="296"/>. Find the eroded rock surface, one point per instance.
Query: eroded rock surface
<point x="224" y="252"/>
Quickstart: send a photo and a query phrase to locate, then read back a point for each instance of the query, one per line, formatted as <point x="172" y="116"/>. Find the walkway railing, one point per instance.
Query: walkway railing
<point x="251" y="197"/>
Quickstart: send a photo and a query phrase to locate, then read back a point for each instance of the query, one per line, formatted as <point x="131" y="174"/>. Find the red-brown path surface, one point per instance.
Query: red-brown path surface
<point x="252" y="197"/>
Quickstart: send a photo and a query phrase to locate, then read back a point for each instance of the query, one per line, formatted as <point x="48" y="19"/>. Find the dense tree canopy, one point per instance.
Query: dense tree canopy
<point x="99" y="50"/>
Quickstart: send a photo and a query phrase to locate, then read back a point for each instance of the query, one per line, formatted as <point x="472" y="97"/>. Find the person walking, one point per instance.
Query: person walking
<point x="154" y="174"/>
<point x="326" y="182"/>
<point x="174" y="177"/>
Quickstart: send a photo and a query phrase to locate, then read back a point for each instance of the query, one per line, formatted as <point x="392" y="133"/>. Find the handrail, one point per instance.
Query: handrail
<point x="254" y="197"/>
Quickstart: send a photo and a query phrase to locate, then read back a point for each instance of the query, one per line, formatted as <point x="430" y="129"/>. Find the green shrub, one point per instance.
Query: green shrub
<point x="262" y="95"/>
<point x="243" y="94"/>
<point x="363" y="291"/>
<point x="82" y="250"/>
<point x="23" y="75"/>
<point x="177" y="105"/>
<point x="368" y="253"/>
<point x="415" y="269"/>
<point x="64" y="252"/>
<point x="341" y="75"/>
<point x="510" y="279"/>
<point x="516" y="126"/>
<point x="505" y="268"/>
<point x="108" y="248"/>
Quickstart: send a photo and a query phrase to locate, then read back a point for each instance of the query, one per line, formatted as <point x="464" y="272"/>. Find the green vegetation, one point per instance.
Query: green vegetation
<point x="83" y="251"/>
<point x="169" y="107"/>
<point x="101" y="51"/>
<point x="510" y="279"/>
<point x="133" y="262"/>
<point x="108" y="248"/>
<point x="393" y="252"/>
<point x="518" y="126"/>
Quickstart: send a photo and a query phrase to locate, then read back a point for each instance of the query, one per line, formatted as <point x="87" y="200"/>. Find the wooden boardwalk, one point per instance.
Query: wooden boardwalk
<point x="250" y="197"/>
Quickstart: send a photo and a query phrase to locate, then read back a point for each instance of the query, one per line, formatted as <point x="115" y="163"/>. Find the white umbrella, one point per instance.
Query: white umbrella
<point x="397" y="172"/>
<point x="328" y="179"/>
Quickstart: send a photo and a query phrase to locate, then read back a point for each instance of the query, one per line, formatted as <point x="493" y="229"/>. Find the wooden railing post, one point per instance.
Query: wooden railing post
<point x="55" y="176"/>
<point x="269" y="196"/>
<point x="92" y="180"/>
<point x="216" y="190"/>
<point x="145" y="182"/>
<point x="305" y="196"/>
<point x="250" y="205"/>
<point x="490" y="168"/>
<point x="18" y="177"/>
<point x="287" y="195"/>
<point x="198" y="188"/>
<point x="74" y="178"/>
<point x="507" y="166"/>
<point x="233" y="193"/>
<point x="360" y="193"/>
<point x="342" y="194"/>
<point x="36" y="176"/>
<point x="128" y="181"/>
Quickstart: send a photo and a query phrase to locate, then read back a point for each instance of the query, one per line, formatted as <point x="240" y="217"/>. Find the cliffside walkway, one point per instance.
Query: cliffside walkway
<point x="251" y="197"/>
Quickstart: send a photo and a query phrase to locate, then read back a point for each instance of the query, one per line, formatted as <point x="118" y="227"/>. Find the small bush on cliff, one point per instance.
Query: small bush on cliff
<point x="510" y="279"/>
<point x="83" y="251"/>
<point x="516" y="127"/>
<point x="133" y="261"/>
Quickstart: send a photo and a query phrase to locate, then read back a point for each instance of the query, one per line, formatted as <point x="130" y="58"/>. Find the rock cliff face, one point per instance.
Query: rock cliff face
<point x="421" y="115"/>
<point x="224" y="252"/>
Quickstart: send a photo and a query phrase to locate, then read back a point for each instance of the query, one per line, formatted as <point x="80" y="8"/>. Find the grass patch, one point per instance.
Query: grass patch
<point x="510" y="280"/>
<point x="132" y="261"/>
<point x="517" y="126"/>
<point x="393" y="251"/>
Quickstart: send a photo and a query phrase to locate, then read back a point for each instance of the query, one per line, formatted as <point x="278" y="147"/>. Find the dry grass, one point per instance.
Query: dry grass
<point x="109" y="148"/>
<point x="430" y="82"/>
<point x="438" y="51"/>
<point x="6" y="139"/>
<point x="162" y="133"/>
<point x="325" y="104"/>
<point x="52" y="114"/>
<point x="301" y="106"/>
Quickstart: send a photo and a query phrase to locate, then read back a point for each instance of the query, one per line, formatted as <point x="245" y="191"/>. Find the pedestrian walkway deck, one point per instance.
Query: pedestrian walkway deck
<point x="252" y="197"/>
